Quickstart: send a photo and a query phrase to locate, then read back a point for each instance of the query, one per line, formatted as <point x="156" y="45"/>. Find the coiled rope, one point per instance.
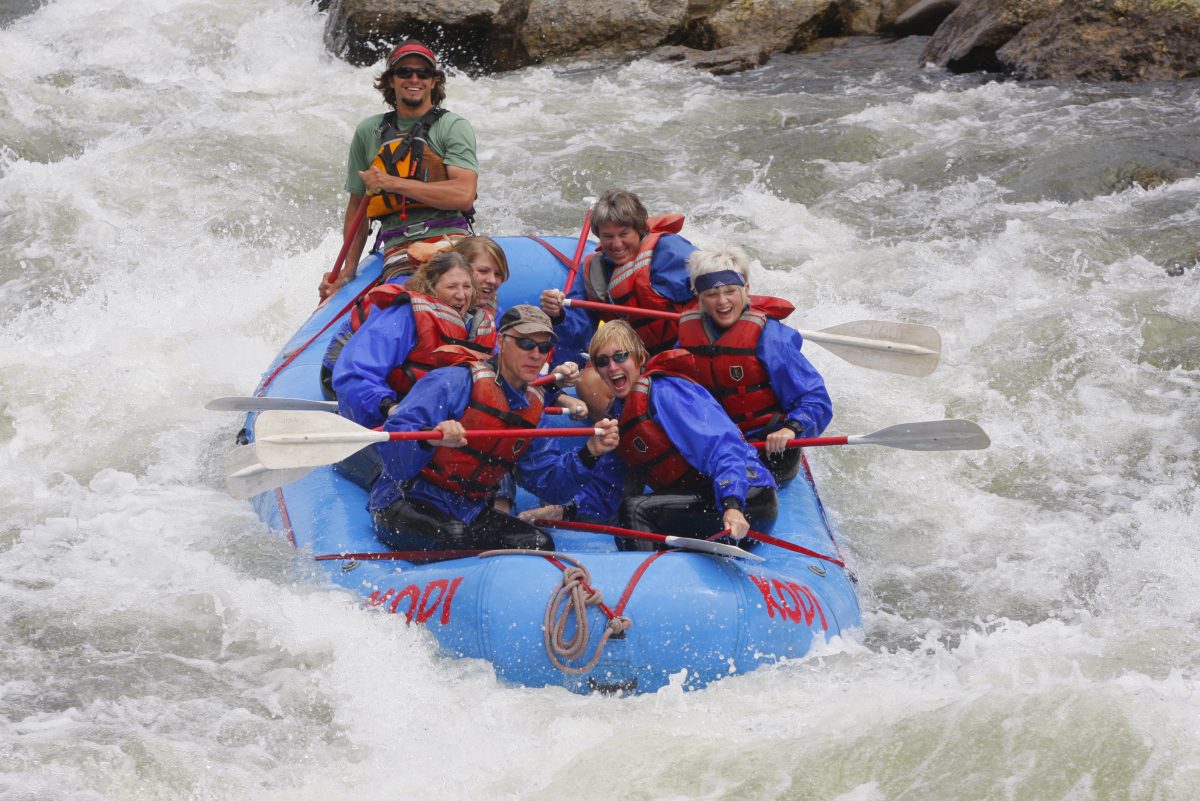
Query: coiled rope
<point x="569" y="603"/>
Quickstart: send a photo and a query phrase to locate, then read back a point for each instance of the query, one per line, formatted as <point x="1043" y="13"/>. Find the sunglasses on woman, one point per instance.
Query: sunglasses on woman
<point x="525" y="343"/>
<point x="620" y="357"/>
<point x="408" y="72"/>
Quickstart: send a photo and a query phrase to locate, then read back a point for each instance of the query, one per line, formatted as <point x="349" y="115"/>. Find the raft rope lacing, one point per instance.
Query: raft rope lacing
<point x="569" y="602"/>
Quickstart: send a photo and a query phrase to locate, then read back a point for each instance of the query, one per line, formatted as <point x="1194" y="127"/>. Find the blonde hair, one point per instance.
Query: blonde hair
<point x="621" y="334"/>
<point x="714" y="260"/>
<point x="471" y="247"/>
<point x="425" y="279"/>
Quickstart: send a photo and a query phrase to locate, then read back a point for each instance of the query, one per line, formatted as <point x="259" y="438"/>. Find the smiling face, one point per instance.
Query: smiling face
<point x="519" y="367"/>
<point x="454" y="289"/>
<point x="619" y="377"/>
<point x="414" y="95"/>
<point x="724" y="304"/>
<point x="488" y="277"/>
<point x="619" y="242"/>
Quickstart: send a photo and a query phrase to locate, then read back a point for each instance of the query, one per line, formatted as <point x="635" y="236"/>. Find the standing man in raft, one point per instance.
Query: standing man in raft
<point x="417" y="163"/>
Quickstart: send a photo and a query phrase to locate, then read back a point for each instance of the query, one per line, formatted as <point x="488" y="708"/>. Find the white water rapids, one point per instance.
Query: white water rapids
<point x="170" y="192"/>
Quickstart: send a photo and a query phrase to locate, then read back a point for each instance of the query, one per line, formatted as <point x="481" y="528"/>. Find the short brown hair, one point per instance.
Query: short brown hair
<point x="620" y="207"/>
<point x="622" y="334"/>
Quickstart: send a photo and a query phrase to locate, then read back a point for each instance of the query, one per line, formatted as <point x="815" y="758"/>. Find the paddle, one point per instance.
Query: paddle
<point x="767" y="539"/>
<point x="359" y="215"/>
<point x="548" y="378"/>
<point x="286" y="440"/>
<point x="683" y="543"/>
<point x="902" y="348"/>
<point x="407" y="556"/>
<point x="250" y="404"/>
<point x="244" y="403"/>
<point x="246" y="476"/>
<point x="934" y="435"/>
<point x="575" y="262"/>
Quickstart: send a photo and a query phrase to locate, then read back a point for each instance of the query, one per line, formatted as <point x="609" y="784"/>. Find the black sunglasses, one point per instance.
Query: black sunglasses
<point x="620" y="357"/>
<point x="525" y="343"/>
<point x="408" y="72"/>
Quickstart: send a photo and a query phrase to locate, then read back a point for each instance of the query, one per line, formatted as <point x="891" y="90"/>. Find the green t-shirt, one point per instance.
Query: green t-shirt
<point x="452" y="137"/>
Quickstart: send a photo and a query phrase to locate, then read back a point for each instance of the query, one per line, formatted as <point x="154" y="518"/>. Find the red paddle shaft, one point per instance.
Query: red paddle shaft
<point x="575" y="262"/>
<point x="350" y="234"/>
<point x="499" y="433"/>
<point x="630" y="310"/>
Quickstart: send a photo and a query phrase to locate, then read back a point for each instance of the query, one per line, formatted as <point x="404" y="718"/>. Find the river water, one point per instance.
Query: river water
<point x="170" y="176"/>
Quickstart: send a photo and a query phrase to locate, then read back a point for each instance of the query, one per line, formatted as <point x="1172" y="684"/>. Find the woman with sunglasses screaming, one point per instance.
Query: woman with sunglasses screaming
<point x="416" y="166"/>
<point x="677" y="440"/>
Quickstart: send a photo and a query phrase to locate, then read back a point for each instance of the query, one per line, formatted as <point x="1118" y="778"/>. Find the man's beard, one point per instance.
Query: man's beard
<point x="412" y="102"/>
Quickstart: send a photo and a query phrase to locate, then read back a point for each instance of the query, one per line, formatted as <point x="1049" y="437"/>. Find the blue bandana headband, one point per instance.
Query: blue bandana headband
<point x="720" y="278"/>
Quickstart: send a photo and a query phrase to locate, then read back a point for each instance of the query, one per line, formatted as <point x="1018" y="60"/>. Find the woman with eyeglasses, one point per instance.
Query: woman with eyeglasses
<point x="441" y="489"/>
<point x="750" y="361"/>
<point x="416" y="166"/>
<point x="678" y="441"/>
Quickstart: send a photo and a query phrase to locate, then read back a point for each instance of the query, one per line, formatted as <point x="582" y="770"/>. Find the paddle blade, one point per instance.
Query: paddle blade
<point x="706" y="546"/>
<point x="251" y="404"/>
<point x="934" y="435"/>
<point x="902" y="348"/>
<point x="286" y="440"/>
<point x="246" y="477"/>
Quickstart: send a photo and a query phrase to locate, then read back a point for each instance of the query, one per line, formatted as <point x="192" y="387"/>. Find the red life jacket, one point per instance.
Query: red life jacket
<point x="377" y="297"/>
<point x="727" y="364"/>
<point x="629" y="285"/>
<point x="644" y="446"/>
<point x="437" y="325"/>
<point x="475" y="469"/>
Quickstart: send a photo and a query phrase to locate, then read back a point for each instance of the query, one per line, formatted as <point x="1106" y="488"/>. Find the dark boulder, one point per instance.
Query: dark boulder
<point x="968" y="39"/>
<point x="494" y="35"/>
<point x="1108" y="40"/>
<point x="724" y="61"/>
<point x="923" y="18"/>
<point x="472" y="35"/>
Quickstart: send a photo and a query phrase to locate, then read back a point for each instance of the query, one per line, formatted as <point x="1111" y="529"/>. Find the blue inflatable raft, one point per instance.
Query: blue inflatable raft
<point x="587" y="617"/>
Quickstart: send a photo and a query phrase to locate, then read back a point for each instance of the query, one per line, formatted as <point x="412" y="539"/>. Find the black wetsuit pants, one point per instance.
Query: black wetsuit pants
<point x="491" y="529"/>
<point x="783" y="466"/>
<point x="690" y="515"/>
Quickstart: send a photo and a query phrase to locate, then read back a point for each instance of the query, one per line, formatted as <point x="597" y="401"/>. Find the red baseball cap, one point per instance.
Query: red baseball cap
<point x="412" y="49"/>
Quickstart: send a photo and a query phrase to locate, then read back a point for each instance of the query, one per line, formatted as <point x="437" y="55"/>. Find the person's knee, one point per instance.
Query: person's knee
<point x="632" y="515"/>
<point x="634" y="511"/>
<point x="494" y="529"/>
<point x="403" y="518"/>
<point x="592" y="390"/>
<point x="762" y="507"/>
<point x="783" y="466"/>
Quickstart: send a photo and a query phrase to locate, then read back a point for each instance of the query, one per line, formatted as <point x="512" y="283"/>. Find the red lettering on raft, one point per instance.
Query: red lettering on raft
<point x="792" y="601"/>
<point x="422" y="602"/>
